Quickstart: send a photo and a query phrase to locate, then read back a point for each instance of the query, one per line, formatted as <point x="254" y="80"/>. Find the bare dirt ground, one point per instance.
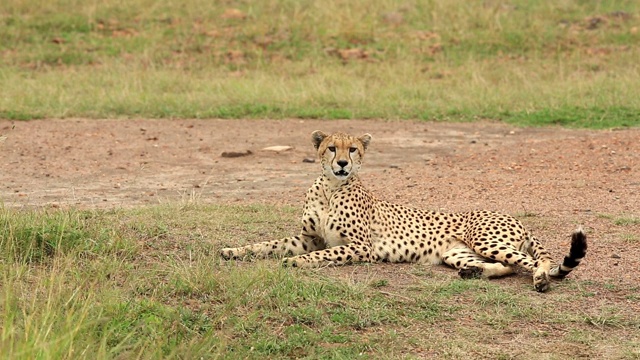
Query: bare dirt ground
<point x="553" y="179"/>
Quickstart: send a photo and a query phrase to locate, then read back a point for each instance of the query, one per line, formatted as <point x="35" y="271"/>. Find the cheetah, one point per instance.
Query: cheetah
<point x="343" y="223"/>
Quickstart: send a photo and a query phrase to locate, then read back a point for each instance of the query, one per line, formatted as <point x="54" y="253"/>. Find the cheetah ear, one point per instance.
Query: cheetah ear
<point x="365" y="140"/>
<point x="317" y="137"/>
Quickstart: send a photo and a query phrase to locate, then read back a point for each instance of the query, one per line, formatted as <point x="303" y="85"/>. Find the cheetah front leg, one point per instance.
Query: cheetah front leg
<point x="338" y="255"/>
<point x="294" y="245"/>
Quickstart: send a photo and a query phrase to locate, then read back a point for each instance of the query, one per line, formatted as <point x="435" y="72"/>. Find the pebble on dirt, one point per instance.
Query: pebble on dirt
<point x="235" y="154"/>
<point x="278" y="148"/>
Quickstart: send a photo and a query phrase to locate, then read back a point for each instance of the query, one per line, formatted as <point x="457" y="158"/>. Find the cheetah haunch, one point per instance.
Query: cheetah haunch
<point x="344" y="223"/>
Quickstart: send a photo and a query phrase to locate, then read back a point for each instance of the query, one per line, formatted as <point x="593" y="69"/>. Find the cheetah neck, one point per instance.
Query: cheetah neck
<point x="331" y="185"/>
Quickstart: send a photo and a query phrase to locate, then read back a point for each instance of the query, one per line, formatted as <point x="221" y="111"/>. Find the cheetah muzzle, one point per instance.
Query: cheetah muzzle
<point x="343" y="222"/>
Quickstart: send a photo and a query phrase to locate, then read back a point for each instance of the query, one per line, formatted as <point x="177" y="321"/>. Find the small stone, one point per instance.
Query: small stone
<point x="615" y="256"/>
<point x="278" y="148"/>
<point x="233" y="14"/>
<point x="308" y="160"/>
<point x="235" y="154"/>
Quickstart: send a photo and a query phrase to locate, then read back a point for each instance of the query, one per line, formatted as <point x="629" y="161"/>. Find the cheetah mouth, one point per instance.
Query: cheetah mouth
<point x="341" y="173"/>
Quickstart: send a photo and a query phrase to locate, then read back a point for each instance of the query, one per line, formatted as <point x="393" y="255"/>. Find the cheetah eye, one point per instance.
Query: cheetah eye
<point x="332" y="148"/>
<point x="353" y="149"/>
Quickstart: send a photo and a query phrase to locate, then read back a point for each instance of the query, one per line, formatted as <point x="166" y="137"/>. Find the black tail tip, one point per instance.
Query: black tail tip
<point x="577" y="252"/>
<point x="578" y="244"/>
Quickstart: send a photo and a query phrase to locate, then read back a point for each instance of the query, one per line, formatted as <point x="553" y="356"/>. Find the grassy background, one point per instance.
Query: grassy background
<point x="526" y="62"/>
<point x="146" y="283"/>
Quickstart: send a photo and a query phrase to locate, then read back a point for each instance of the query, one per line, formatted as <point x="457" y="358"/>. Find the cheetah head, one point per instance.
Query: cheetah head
<point x="340" y="154"/>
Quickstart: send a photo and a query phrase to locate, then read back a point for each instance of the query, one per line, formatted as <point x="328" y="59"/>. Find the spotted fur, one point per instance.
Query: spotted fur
<point x="343" y="223"/>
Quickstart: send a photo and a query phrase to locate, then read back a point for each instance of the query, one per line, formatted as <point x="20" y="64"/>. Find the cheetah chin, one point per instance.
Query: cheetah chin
<point x="343" y="222"/>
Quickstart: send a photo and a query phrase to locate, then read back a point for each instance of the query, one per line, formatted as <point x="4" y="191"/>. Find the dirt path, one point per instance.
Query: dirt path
<point x="554" y="179"/>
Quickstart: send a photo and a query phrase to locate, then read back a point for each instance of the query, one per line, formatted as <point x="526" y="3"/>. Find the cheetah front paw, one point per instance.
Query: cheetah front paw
<point x="298" y="261"/>
<point x="290" y="262"/>
<point x="228" y="253"/>
<point x="541" y="281"/>
<point x="472" y="272"/>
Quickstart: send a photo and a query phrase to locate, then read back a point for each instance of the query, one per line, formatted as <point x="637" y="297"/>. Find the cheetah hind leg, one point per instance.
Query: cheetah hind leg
<point x="471" y="265"/>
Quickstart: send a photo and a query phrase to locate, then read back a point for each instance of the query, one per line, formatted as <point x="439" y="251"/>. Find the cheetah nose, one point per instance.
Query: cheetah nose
<point x="343" y="163"/>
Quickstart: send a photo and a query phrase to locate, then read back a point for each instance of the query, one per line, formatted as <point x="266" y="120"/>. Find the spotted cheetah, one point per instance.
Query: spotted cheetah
<point x="343" y="223"/>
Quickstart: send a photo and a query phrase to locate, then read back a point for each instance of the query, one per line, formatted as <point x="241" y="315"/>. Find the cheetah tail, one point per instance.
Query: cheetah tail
<point x="577" y="252"/>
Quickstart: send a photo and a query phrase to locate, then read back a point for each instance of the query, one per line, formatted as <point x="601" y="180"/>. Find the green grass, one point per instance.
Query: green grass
<point x="527" y="63"/>
<point x="626" y="221"/>
<point x="630" y="238"/>
<point x="622" y="219"/>
<point x="147" y="283"/>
